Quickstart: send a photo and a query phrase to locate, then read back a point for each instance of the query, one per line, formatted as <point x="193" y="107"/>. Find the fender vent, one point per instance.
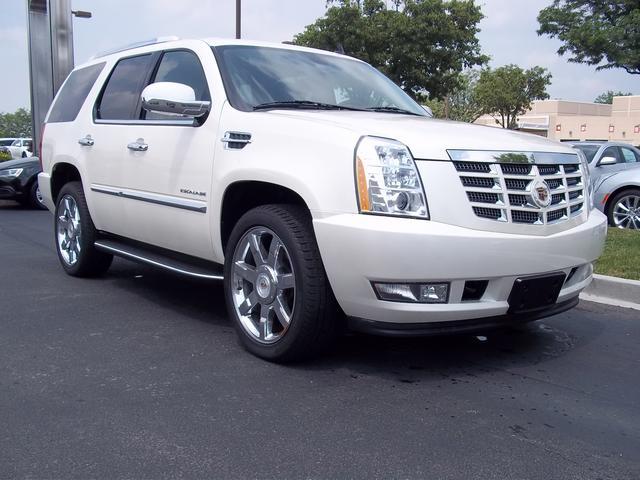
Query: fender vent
<point x="236" y="140"/>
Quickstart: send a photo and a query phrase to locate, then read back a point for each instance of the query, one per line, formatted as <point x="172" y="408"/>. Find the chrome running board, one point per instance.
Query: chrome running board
<point x="181" y="265"/>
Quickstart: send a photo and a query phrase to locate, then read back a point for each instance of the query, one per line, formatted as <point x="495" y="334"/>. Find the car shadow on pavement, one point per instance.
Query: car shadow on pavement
<point x="404" y="359"/>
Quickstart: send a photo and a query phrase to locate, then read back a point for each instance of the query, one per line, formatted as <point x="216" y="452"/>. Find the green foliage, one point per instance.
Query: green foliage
<point x="422" y="45"/>
<point x="621" y="257"/>
<point x="5" y="156"/>
<point x="461" y="104"/>
<point x="607" y="97"/>
<point x="17" y="124"/>
<point x="508" y="91"/>
<point x="596" y="31"/>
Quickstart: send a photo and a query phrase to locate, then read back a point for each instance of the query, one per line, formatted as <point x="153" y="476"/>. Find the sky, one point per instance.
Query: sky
<point x="508" y="36"/>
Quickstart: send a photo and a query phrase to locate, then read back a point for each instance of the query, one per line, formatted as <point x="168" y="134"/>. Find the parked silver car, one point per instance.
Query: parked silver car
<point x="615" y="176"/>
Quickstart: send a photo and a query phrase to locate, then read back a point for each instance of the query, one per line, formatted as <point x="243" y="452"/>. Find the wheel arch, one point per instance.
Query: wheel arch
<point x="243" y="195"/>
<point x="61" y="174"/>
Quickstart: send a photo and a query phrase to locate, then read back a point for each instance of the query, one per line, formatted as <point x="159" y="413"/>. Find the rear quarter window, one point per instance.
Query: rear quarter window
<point x="119" y="100"/>
<point x="73" y="94"/>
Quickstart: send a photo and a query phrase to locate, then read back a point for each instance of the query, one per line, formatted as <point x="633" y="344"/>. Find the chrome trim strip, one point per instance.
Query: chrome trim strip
<point x="495" y="156"/>
<point x="187" y="122"/>
<point x="156" y="198"/>
<point x="132" y="256"/>
<point x="227" y="139"/>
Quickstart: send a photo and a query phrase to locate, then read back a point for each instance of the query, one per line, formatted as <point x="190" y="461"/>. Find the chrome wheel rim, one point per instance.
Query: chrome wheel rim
<point x="68" y="230"/>
<point x="263" y="285"/>
<point x="626" y="212"/>
<point x="39" y="196"/>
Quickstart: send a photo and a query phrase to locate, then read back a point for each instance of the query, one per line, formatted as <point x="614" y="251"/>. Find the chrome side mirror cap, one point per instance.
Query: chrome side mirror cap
<point x="172" y="98"/>
<point x="607" y="161"/>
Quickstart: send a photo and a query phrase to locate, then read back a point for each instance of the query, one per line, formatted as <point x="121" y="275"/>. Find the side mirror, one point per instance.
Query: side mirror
<point x="607" y="161"/>
<point x="173" y="99"/>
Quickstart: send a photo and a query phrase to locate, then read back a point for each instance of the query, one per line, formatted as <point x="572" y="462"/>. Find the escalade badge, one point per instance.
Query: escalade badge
<point x="541" y="194"/>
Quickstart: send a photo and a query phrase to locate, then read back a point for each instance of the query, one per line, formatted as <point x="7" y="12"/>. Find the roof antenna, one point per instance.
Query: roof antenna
<point x="339" y="49"/>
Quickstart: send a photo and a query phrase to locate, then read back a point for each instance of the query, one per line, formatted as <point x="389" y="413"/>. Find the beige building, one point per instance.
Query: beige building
<point x="564" y="121"/>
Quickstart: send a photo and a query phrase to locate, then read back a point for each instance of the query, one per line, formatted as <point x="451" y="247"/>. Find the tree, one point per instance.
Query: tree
<point x="508" y="91"/>
<point x="422" y="45"/>
<point x="17" y="124"/>
<point x="596" y="31"/>
<point x="461" y="104"/>
<point x="607" y="97"/>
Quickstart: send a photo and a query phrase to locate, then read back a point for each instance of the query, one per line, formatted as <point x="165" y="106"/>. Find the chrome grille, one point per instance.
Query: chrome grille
<point x="505" y="191"/>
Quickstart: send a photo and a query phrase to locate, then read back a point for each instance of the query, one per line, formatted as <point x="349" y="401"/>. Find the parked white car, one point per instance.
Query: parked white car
<point x="19" y="147"/>
<point x="317" y="190"/>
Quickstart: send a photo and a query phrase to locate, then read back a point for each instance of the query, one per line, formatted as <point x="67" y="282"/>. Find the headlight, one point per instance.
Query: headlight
<point x="11" y="172"/>
<point x="387" y="179"/>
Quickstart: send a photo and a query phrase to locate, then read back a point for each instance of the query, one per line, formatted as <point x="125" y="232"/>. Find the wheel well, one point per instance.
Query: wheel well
<point x="240" y="197"/>
<point x="613" y="194"/>
<point x="62" y="174"/>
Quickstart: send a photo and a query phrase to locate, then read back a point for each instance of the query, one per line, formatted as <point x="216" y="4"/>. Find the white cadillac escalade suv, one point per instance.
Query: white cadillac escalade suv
<point x="316" y="190"/>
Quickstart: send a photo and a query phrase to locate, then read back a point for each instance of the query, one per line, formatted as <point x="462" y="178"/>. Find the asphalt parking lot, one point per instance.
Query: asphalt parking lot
<point x="139" y="375"/>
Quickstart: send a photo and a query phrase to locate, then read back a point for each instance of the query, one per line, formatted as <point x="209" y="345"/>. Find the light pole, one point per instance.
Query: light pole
<point x="238" y="18"/>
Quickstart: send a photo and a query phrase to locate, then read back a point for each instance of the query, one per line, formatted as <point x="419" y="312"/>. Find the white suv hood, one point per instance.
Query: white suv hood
<point x="428" y="138"/>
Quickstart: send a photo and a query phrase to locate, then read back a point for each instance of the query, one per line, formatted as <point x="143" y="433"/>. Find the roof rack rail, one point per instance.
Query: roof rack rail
<point x="136" y="45"/>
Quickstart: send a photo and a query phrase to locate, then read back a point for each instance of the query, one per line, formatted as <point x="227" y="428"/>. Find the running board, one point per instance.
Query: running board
<point x="183" y="266"/>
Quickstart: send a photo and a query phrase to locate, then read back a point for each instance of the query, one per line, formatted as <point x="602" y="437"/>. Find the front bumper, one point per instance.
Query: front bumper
<point x="359" y="249"/>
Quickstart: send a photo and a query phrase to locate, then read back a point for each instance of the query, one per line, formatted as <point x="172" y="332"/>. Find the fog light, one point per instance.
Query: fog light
<point x="413" y="292"/>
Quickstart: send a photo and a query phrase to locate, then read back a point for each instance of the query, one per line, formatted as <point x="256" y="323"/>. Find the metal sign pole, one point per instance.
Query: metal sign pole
<point x="50" y="56"/>
<point x="238" y="18"/>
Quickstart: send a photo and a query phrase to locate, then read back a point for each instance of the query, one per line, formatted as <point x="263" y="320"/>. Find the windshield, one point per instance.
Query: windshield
<point x="259" y="76"/>
<point x="6" y="142"/>
<point x="588" y="150"/>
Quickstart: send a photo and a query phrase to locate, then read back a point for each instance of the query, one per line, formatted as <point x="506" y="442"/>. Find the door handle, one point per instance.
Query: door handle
<point x="138" y="146"/>
<point x="86" y="141"/>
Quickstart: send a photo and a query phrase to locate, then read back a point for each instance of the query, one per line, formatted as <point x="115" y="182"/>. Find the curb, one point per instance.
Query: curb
<point x="619" y="292"/>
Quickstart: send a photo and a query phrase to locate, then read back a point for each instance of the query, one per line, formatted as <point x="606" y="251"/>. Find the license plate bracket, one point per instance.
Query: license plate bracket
<point x="530" y="294"/>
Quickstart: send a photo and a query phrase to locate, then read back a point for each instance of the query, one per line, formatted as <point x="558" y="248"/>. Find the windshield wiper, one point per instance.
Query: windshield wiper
<point x="302" y="104"/>
<point x="394" y="110"/>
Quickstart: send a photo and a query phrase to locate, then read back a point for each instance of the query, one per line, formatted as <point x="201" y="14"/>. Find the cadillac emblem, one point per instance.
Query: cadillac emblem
<point x="541" y="194"/>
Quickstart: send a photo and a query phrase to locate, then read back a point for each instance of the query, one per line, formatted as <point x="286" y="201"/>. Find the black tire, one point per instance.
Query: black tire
<point x="614" y="201"/>
<point x="35" y="197"/>
<point x="90" y="262"/>
<point x="24" y="154"/>
<point x="315" y="316"/>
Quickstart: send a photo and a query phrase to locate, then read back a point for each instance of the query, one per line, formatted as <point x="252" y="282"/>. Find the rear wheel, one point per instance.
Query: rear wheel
<point x="76" y="234"/>
<point x="276" y="288"/>
<point x="624" y="210"/>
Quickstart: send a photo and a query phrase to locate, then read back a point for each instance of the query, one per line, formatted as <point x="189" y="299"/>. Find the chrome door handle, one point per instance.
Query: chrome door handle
<point x="86" y="141"/>
<point x="138" y="146"/>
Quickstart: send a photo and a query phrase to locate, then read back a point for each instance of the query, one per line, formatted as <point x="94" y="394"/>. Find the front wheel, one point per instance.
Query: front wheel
<point x="276" y="289"/>
<point x="624" y="210"/>
<point x="35" y="197"/>
<point x="75" y="235"/>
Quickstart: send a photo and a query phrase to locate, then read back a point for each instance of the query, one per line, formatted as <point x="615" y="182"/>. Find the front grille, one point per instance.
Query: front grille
<point x="492" y="213"/>
<point x="479" y="182"/>
<point x="525" y="216"/>
<point x="483" y="197"/>
<point x="507" y="192"/>
<point x="515" y="169"/>
<point x="472" y="167"/>
<point x="516" y="184"/>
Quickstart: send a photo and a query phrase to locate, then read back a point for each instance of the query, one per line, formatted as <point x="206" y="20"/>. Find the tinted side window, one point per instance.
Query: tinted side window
<point x="73" y="94"/>
<point x="120" y="97"/>
<point x="629" y="155"/>
<point x="181" y="67"/>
